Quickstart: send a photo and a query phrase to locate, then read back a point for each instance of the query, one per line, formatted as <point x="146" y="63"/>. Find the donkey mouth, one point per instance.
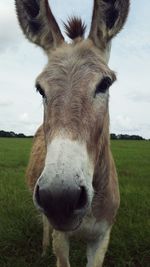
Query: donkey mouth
<point x="66" y="226"/>
<point x="65" y="223"/>
<point x="64" y="208"/>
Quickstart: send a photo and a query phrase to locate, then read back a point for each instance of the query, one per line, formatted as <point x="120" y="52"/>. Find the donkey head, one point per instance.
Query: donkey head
<point x="75" y="90"/>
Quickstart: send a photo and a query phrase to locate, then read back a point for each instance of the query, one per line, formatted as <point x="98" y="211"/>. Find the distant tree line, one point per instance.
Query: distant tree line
<point x="112" y="136"/>
<point x="13" y="135"/>
<point x="125" y="137"/>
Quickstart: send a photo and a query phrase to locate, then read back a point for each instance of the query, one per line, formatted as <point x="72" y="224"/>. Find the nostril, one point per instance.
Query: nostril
<point x="37" y="195"/>
<point x="54" y="203"/>
<point x="82" y="201"/>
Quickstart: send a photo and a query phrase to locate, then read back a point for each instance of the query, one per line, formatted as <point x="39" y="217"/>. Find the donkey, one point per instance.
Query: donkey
<point x="71" y="172"/>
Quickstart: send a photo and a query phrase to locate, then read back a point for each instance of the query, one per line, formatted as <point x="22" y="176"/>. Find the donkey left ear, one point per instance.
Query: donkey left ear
<point x="108" y="19"/>
<point x="38" y="23"/>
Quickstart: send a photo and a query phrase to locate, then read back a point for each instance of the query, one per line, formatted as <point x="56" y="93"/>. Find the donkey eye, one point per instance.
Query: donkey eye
<point x="103" y="86"/>
<point x="40" y="90"/>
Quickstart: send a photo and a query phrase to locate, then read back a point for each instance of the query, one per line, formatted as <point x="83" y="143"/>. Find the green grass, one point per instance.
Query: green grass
<point x="20" y="227"/>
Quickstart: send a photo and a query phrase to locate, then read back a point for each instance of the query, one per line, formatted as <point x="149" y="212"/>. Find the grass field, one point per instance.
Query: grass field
<point x="20" y="227"/>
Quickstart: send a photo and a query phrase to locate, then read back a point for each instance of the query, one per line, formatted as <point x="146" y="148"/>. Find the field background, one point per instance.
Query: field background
<point x="21" y="229"/>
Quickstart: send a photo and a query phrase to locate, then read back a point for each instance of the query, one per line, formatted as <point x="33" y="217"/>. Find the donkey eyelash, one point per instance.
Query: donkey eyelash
<point x="40" y="90"/>
<point x="103" y="86"/>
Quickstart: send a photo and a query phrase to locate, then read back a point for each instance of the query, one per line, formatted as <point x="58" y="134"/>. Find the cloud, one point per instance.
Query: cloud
<point x="124" y="124"/>
<point x="139" y="97"/>
<point x="5" y="103"/>
<point x="24" y="117"/>
<point x="10" y="33"/>
<point x="20" y="107"/>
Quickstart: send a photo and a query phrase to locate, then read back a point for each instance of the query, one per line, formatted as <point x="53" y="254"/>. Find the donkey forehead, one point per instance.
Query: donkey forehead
<point x="75" y="61"/>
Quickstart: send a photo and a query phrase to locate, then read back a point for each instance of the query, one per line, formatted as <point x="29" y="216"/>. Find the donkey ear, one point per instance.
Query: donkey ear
<point x="38" y="23"/>
<point x="108" y="19"/>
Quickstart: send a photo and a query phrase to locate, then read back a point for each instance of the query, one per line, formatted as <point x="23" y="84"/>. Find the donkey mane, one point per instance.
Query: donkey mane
<point x="75" y="27"/>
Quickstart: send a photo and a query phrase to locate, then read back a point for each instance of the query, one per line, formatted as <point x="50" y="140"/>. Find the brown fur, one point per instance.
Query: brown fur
<point x="75" y="28"/>
<point x="37" y="159"/>
<point x="106" y="199"/>
<point x="73" y="109"/>
<point x="72" y="75"/>
<point x="108" y="19"/>
<point x="38" y="23"/>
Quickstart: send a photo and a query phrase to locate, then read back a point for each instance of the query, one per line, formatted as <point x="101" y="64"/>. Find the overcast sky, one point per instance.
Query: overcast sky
<point x="20" y="62"/>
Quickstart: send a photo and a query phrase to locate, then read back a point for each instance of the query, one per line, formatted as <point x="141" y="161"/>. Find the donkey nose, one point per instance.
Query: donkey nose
<point x="57" y="204"/>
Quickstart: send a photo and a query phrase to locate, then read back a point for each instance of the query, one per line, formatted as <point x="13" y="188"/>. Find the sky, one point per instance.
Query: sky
<point x="21" y="107"/>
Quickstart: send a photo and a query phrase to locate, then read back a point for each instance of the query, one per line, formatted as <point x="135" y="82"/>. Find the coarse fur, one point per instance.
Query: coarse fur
<point x="75" y="28"/>
<point x="71" y="149"/>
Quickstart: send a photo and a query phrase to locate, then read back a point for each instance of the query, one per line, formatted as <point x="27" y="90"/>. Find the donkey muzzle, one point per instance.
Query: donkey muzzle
<point x="63" y="189"/>
<point x="64" y="204"/>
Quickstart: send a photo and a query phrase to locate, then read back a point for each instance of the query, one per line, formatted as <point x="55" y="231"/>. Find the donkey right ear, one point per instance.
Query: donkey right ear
<point x="38" y="23"/>
<point x="108" y="19"/>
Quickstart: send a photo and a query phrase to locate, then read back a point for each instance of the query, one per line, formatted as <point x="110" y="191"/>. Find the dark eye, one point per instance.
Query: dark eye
<point x="103" y="86"/>
<point x="40" y="90"/>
